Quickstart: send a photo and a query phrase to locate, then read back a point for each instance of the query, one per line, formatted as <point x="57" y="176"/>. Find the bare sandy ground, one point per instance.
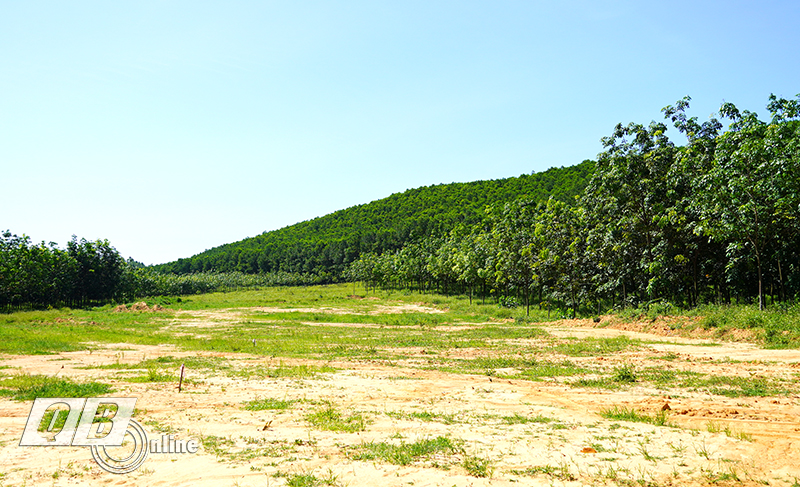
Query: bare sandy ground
<point x="574" y="446"/>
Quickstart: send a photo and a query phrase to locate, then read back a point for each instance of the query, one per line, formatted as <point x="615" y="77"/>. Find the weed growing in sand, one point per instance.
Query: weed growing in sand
<point x="560" y="472"/>
<point x="624" y="374"/>
<point x="517" y="418"/>
<point x="715" y="427"/>
<point x="477" y="466"/>
<point x="702" y="450"/>
<point x="329" y="418"/>
<point x="743" y="386"/>
<point x="161" y="428"/>
<point x="216" y="445"/>
<point x="719" y="476"/>
<point x="646" y="454"/>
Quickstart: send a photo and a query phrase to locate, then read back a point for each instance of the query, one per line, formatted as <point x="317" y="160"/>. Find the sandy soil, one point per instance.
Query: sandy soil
<point x="576" y="446"/>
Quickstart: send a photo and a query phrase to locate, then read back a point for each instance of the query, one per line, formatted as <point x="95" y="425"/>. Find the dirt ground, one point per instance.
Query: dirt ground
<point x="713" y="440"/>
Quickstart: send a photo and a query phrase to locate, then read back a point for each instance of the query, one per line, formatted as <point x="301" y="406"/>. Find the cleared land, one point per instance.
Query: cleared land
<point x="319" y="386"/>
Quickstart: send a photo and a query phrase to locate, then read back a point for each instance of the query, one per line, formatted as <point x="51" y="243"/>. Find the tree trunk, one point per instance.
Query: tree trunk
<point x="760" y="290"/>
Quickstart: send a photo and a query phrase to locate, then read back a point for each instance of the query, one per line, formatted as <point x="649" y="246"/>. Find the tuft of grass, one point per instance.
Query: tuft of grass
<point x="29" y="387"/>
<point x="329" y="418"/>
<point x="625" y="374"/>
<point x="477" y="466"/>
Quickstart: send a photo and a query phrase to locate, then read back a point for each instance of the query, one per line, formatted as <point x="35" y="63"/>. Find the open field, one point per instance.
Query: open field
<point x="324" y="386"/>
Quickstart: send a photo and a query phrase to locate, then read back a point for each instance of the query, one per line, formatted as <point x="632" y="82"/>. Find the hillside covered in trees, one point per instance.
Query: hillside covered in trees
<point x="325" y="246"/>
<point x="715" y="220"/>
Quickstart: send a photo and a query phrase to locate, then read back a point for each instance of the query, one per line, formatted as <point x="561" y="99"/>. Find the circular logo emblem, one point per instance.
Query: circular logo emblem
<point x="125" y="458"/>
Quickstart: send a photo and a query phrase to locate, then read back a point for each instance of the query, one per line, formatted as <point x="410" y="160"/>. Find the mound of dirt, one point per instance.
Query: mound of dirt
<point x="140" y="306"/>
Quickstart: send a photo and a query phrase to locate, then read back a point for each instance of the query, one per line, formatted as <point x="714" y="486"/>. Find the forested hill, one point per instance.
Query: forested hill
<point x="325" y="245"/>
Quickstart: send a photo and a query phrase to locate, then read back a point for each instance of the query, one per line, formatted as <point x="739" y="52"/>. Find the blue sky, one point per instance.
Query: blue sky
<point x="173" y="127"/>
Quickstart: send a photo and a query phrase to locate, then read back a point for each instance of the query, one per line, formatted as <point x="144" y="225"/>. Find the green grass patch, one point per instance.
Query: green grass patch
<point x="590" y="347"/>
<point x="29" y="387"/>
<point x="405" y="453"/>
<point x="153" y="375"/>
<point x="744" y="386"/>
<point x="560" y="472"/>
<point x="267" y="403"/>
<point x="426" y="416"/>
<point x="630" y="414"/>
<point x="282" y="372"/>
<point x="517" y="418"/>
<point x="307" y="479"/>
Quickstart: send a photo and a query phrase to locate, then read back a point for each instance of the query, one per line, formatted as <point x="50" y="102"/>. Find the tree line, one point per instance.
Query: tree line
<point x="89" y="273"/>
<point x="714" y="220"/>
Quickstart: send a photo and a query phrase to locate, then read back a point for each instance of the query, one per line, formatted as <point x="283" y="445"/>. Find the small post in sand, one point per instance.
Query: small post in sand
<point x="180" y="383"/>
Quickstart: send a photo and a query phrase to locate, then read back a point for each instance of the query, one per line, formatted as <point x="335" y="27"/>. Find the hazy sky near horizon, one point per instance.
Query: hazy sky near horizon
<point x="173" y="127"/>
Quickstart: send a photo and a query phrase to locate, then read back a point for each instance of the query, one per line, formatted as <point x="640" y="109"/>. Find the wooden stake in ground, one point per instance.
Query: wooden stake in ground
<point x="180" y="383"/>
